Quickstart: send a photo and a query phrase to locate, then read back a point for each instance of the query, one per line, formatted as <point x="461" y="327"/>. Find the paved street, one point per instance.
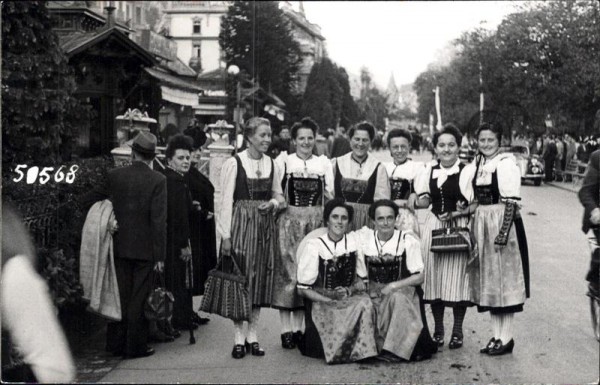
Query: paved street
<point x="554" y="340"/>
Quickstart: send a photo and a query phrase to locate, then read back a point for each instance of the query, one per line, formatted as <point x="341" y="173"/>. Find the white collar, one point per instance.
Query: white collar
<point x="442" y="174"/>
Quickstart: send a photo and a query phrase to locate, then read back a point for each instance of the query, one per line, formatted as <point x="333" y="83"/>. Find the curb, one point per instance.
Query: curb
<point x="553" y="184"/>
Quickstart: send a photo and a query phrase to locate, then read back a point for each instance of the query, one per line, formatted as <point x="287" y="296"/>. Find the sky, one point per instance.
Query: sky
<point x="402" y="37"/>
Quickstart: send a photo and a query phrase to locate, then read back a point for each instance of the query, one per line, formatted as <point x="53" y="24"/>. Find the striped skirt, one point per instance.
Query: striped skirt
<point x="294" y="224"/>
<point x="445" y="274"/>
<point x="254" y="242"/>
<point x="361" y="216"/>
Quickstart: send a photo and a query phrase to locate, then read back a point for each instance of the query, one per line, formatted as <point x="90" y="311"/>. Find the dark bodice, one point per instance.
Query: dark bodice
<point x="255" y="189"/>
<point x="355" y="190"/>
<point x="445" y="198"/>
<point x="387" y="268"/>
<point x="303" y="191"/>
<point x="488" y="194"/>
<point x="401" y="188"/>
<point x="338" y="271"/>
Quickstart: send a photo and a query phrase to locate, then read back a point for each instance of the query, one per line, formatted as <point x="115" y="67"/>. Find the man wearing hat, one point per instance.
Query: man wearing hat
<point x="139" y="198"/>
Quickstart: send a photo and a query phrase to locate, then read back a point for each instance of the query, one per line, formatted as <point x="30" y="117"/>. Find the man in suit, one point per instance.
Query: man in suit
<point x="139" y="198"/>
<point x="589" y="196"/>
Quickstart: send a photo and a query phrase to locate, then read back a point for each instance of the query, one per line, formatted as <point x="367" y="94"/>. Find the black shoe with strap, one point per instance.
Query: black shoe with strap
<point x="438" y="339"/>
<point x="238" y="351"/>
<point x="254" y="349"/>
<point x="456" y="341"/>
<point x="500" y="348"/>
<point x="490" y="345"/>
<point x="287" y="340"/>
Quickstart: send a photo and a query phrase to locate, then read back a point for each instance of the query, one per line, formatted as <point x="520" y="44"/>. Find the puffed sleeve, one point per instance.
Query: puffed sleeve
<point x="361" y="267"/>
<point x="465" y="181"/>
<point x="382" y="188"/>
<point x="412" y="245"/>
<point x="422" y="181"/>
<point x="278" y="174"/>
<point x="308" y="265"/>
<point x="509" y="179"/>
<point x="328" y="177"/>
<point x="227" y="181"/>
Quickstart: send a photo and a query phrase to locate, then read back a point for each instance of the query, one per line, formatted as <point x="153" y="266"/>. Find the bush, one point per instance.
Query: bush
<point x="58" y="238"/>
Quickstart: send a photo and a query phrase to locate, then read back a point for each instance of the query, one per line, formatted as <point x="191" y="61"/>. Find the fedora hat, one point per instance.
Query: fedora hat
<point x="144" y="143"/>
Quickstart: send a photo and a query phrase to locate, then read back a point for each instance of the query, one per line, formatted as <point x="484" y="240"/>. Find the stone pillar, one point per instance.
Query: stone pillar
<point x="128" y="125"/>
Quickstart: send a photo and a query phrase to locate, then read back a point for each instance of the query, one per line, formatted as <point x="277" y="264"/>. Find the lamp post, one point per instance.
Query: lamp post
<point x="234" y="70"/>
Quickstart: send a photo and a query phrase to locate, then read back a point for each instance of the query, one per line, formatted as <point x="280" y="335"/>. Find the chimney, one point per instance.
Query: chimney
<point x="110" y="18"/>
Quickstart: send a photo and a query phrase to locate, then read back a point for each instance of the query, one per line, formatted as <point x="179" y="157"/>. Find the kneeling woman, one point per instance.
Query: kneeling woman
<point x="395" y="268"/>
<point x="332" y="278"/>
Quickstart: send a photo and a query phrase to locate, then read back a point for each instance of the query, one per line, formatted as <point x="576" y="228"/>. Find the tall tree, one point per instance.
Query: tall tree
<point x="257" y="37"/>
<point x="372" y="103"/>
<point x="39" y="112"/>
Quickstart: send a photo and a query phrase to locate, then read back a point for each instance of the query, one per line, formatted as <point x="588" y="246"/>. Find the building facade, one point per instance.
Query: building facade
<point x="195" y="26"/>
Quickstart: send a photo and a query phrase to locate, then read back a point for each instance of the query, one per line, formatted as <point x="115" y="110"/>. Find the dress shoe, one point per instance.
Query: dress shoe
<point x="456" y="341"/>
<point x="298" y="338"/>
<point x="199" y="320"/>
<point x="287" y="340"/>
<point x="488" y="347"/>
<point x="145" y="352"/>
<point x="158" y="336"/>
<point x="500" y="349"/>
<point x="238" y="351"/>
<point x="438" y="339"/>
<point x="254" y="348"/>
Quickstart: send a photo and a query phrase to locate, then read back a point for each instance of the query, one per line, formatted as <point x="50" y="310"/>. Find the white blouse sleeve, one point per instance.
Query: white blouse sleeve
<point x="308" y="265"/>
<point x="227" y="181"/>
<point x="361" y="266"/>
<point x="509" y="179"/>
<point x="465" y="182"/>
<point x="412" y="245"/>
<point x="278" y="173"/>
<point x="327" y="166"/>
<point x="422" y="181"/>
<point x="28" y="313"/>
<point x="382" y="187"/>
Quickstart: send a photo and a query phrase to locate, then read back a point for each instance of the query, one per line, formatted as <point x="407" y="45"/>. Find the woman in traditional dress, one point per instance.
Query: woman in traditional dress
<point x="202" y="222"/>
<point x="332" y="278"/>
<point x="395" y="266"/>
<point x="179" y="208"/>
<point x="307" y="182"/>
<point x="443" y="184"/>
<point x="247" y="225"/>
<point x="499" y="278"/>
<point x="359" y="178"/>
<point x="402" y="172"/>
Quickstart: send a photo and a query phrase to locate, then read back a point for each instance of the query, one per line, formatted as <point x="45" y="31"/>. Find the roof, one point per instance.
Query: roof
<point x="92" y="11"/>
<point x="173" y="80"/>
<point x="297" y="19"/>
<point x="78" y="42"/>
<point x="216" y="74"/>
<point x="180" y="68"/>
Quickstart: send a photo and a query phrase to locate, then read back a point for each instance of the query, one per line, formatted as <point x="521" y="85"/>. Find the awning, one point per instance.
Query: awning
<point x="209" y="109"/>
<point x="178" y="96"/>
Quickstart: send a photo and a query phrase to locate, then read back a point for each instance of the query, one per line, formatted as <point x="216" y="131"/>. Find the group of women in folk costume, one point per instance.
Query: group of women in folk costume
<point x="361" y="263"/>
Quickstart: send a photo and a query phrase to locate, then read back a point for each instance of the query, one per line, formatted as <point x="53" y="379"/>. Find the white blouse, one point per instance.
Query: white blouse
<point x="313" y="166"/>
<point x="409" y="242"/>
<point x="351" y="169"/>
<point x="308" y="261"/>
<point x="255" y="169"/>
<point x="507" y="171"/>
<point x="441" y="175"/>
<point x="407" y="170"/>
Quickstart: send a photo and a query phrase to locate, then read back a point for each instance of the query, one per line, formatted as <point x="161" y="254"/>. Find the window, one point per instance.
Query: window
<point x="197" y="28"/>
<point x="197" y="50"/>
<point x="138" y="15"/>
<point x="127" y="11"/>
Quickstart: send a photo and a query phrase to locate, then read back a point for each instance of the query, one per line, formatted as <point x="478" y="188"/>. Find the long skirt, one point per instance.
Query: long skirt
<point x="445" y="274"/>
<point x="361" y="216"/>
<point x="294" y="224"/>
<point x="341" y="331"/>
<point x="254" y="242"/>
<point x="406" y="220"/>
<point x="399" y="322"/>
<point x="496" y="276"/>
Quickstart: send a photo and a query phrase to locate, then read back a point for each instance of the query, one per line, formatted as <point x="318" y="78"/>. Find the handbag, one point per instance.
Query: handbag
<point x="226" y="293"/>
<point x="451" y="239"/>
<point x="159" y="304"/>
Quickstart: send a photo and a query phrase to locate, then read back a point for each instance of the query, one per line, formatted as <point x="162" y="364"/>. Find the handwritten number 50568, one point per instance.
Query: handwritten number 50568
<point x="32" y="174"/>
